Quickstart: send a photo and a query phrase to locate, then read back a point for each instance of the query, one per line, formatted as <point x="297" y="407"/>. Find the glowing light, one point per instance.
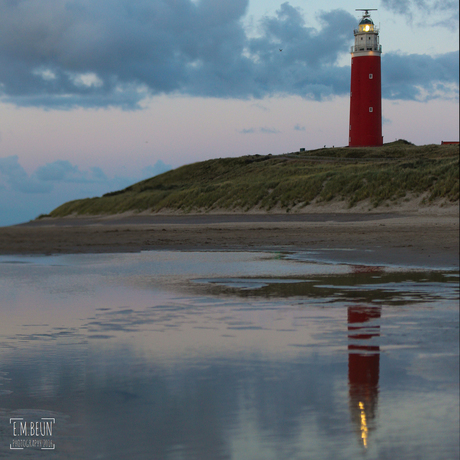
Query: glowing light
<point x="367" y="28"/>
<point x="364" y="429"/>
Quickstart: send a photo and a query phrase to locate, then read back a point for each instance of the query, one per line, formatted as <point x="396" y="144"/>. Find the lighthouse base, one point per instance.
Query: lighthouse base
<point x="371" y="143"/>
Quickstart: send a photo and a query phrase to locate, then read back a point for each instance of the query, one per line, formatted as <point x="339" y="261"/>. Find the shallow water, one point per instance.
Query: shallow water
<point x="214" y="355"/>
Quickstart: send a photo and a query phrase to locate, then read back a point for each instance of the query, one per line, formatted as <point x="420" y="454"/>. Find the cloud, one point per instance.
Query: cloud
<point x="448" y="9"/>
<point x="64" y="171"/>
<point x="263" y="130"/>
<point x="299" y="128"/>
<point x="158" y="168"/>
<point x="61" y="54"/>
<point x="386" y="121"/>
<point x="45" y="177"/>
<point x="57" y="171"/>
<point x="24" y="197"/>
<point x="420" y="77"/>
<point x="17" y="179"/>
<point x="55" y="53"/>
<point x="260" y="107"/>
<point x="269" y="131"/>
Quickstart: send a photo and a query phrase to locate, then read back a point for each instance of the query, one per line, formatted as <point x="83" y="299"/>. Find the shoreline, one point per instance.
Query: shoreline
<point x="390" y="238"/>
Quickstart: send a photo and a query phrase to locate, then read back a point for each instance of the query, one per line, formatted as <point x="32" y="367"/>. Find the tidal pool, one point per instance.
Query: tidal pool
<point x="226" y="355"/>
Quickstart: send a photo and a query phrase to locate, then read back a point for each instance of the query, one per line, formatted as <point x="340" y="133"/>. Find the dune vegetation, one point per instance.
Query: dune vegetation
<point x="290" y="181"/>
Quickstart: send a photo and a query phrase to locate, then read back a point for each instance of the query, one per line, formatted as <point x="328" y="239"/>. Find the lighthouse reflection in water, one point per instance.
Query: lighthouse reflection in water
<point x="363" y="367"/>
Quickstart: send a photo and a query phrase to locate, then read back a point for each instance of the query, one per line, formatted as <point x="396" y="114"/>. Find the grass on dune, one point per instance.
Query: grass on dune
<point x="350" y="174"/>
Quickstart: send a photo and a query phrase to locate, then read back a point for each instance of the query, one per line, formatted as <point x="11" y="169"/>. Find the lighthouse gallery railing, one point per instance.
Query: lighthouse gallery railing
<point x="356" y="49"/>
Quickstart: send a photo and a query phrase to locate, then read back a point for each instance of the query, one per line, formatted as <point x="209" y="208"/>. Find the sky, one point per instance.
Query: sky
<point x="98" y="94"/>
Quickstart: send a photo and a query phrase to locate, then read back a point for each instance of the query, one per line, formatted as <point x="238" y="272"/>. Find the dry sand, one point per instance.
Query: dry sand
<point x="429" y="238"/>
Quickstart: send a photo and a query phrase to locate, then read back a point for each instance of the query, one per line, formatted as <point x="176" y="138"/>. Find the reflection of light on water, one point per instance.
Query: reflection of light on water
<point x="364" y="428"/>
<point x="363" y="367"/>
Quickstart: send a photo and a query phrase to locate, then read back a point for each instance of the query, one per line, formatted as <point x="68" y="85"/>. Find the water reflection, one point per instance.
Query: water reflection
<point x="363" y="367"/>
<point x="366" y="286"/>
<point x="231" y="366"/>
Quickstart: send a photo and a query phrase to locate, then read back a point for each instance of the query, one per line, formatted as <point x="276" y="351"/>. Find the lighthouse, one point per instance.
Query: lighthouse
<point x="366" y="86"/>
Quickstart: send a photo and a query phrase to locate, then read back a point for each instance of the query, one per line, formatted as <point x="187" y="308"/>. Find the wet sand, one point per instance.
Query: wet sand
<point x="430" y="240"/>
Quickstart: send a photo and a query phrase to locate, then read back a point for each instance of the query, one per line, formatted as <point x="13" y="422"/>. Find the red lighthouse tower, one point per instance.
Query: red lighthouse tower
<point x="366" y="86"/>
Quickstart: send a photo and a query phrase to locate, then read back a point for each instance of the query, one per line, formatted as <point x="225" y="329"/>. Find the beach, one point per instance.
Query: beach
<point x="427" y="238"/>
<point x="205" y="336"/>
